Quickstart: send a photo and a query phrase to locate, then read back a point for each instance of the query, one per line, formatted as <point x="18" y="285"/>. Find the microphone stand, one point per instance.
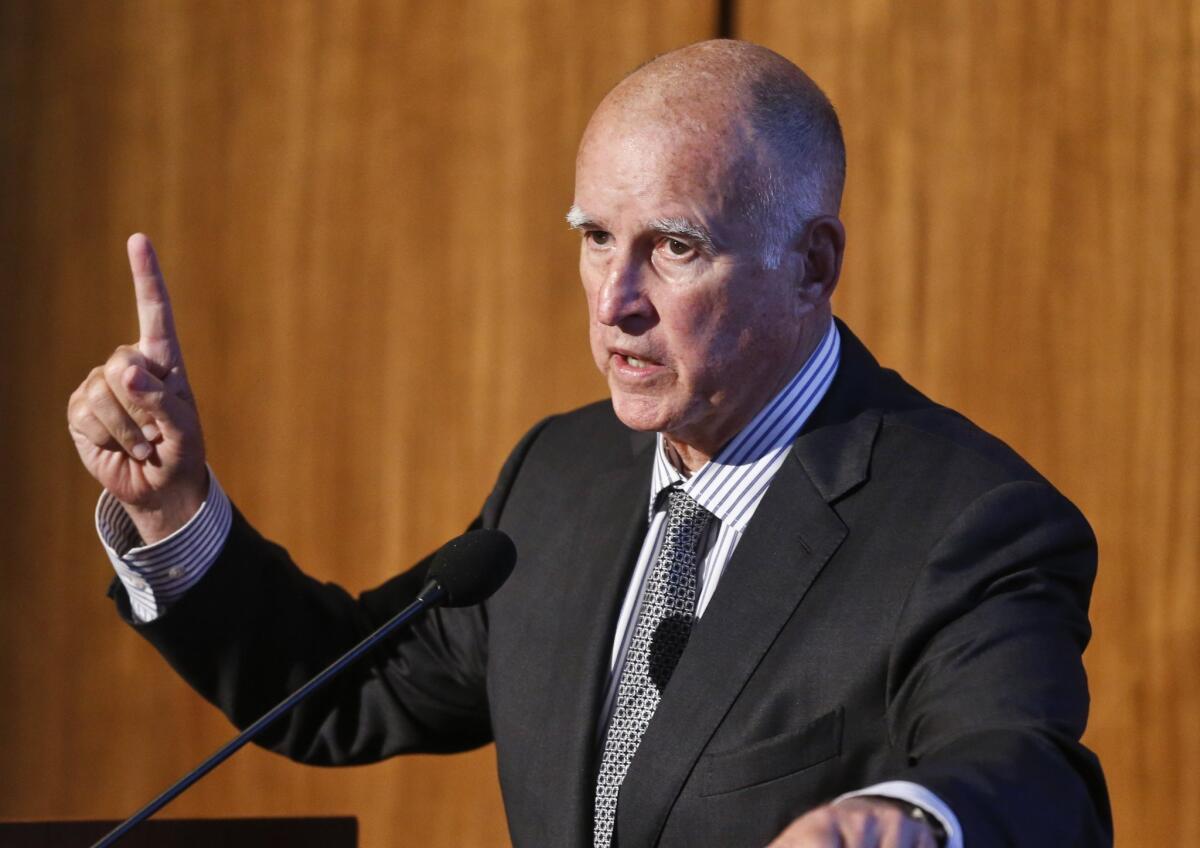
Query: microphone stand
<point x="432" y="595"/>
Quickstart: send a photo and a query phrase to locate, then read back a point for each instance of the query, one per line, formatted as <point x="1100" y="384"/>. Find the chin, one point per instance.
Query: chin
<point x="645" y="414"/>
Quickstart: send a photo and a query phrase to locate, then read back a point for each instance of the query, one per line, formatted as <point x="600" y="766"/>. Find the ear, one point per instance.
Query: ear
<point x="822" y="244"/>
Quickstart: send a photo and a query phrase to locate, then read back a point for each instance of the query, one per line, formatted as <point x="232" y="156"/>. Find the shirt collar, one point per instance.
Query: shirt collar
<point x="734" y="481"/>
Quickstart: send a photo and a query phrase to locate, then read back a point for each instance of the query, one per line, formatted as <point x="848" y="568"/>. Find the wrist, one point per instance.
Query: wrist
<point x="174" y="511"/>
<point x="916" y="813"/>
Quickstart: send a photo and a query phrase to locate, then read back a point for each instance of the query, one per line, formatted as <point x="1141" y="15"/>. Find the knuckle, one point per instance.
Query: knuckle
<point x="77" y="411"/>
<point x="127" y="434"/>
<point x="122" y="358"/>
<point x="830" y="814"/>
<point x="856" y="828"/>
<point x="76" y="399"/>
<point x="823" y="819"/>
<point x="852" y="821"/>
<point x="97" y="392"/>
<point x="114" y="367"/>
<point x="95" y="433"/>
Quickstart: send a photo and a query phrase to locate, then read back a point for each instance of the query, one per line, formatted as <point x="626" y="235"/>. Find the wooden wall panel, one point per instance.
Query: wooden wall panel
<point x="1022" y="204"/>
<point x="359" y="210"/>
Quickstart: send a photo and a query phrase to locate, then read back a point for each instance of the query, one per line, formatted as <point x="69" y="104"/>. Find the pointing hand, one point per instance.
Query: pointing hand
<point x="134" y="420"/>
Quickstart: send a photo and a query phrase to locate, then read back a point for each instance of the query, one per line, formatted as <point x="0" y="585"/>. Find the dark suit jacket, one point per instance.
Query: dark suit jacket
<point x="909" y="602"/>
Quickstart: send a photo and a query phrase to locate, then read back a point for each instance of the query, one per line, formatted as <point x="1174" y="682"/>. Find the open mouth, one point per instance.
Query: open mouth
<point x="633" y="365"/>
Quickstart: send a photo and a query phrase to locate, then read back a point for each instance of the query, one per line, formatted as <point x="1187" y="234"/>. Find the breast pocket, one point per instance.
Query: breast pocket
<point x="770" y="759"/>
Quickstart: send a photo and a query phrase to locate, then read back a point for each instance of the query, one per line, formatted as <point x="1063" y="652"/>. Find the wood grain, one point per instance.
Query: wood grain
<point x="1021" y="212"/>
<point x="359" y="204"/>
<point x="359" y="211"/>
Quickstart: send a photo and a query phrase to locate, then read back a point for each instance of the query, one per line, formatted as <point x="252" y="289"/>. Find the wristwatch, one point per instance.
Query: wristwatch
<point x="922" y="815"/>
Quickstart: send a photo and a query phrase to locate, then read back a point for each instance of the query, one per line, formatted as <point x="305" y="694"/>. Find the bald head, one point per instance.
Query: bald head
<point x="761" y="120"/>
<point x="706" y="193"/>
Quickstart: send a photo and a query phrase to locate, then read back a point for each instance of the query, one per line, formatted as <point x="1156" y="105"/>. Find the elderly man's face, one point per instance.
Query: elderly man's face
<point x="692" y="333"/>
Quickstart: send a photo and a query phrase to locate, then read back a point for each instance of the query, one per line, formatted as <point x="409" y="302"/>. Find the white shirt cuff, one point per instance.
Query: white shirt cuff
<point x="917" y="795"/>
<point x="157" y="575"/>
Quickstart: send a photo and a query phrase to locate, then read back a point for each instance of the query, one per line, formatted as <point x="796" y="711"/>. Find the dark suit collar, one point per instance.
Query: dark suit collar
<point x="834" y="447"/>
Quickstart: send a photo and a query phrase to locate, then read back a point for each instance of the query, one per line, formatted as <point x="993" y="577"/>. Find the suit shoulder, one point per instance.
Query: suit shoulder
<point x="583" y="441"/>
<point x="916" y="435"/>
<point x="946" y="448"/>
<point x="561" y="454"/>
<point x="590" y="436"/>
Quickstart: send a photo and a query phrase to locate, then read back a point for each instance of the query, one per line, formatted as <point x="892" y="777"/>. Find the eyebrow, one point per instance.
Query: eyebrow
<point x="687" y="229"/>
<point x="577" y="219"/>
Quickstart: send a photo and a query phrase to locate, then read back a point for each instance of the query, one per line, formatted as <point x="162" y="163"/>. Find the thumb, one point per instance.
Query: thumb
<point x="153" y="396"/>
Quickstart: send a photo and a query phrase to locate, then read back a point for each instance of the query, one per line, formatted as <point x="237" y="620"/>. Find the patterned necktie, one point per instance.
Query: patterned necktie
<point x="663" y="626"/>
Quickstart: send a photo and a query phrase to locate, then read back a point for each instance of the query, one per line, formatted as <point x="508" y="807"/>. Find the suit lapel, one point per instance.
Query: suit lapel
<point x="792" y="536"/>
<point x="609" y="534"/>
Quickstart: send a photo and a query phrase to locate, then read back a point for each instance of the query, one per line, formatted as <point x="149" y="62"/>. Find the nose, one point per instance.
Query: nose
<point x="622" y="300"/>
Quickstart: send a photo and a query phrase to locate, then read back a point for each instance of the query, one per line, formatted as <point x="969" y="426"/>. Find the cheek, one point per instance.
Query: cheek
<point x="703" y="337"/>
<point x="723" y="336"/>
<point x="770" y="316"/>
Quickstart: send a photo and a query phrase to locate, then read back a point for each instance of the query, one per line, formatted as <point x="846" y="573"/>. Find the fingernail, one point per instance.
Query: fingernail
<point x="150" y="431"/>
<point x="141" y="450"/>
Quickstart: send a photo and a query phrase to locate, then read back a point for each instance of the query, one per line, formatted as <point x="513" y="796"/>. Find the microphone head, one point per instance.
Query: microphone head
<point x="473" y="566"/>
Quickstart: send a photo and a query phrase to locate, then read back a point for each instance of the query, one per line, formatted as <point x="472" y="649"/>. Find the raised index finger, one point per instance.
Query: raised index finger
<point x="156" y="324"/>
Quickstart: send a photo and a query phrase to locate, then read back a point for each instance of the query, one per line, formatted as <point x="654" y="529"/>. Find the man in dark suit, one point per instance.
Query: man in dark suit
<point x="769" y="592"/>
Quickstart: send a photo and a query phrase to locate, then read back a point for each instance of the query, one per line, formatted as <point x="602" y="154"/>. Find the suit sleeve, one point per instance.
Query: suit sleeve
<point x="255" y="628"/>
<point x="988" y="694"/>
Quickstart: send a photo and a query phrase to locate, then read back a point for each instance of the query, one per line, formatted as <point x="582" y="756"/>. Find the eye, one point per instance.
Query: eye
<point x="600" y="238"/>
<point x="676" y="247"/>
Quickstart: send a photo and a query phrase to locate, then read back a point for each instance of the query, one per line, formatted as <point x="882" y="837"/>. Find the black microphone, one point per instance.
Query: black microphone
<point x="472" y="567"/>
<point x="464" y="572"/>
